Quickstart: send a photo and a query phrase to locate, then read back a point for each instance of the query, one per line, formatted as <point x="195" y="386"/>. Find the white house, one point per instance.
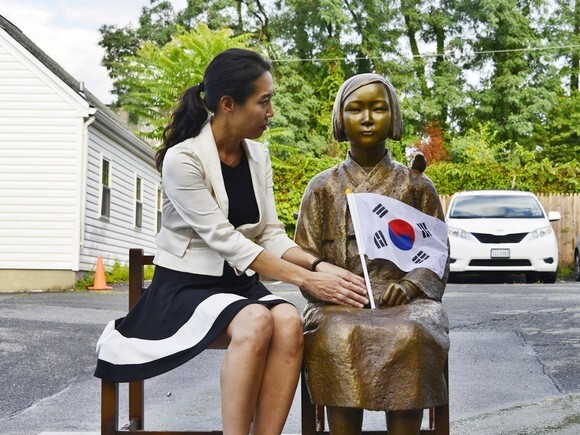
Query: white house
<point x="75" y="183"/>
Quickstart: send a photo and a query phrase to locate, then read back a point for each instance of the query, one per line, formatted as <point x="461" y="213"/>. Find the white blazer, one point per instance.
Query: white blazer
<point x="196" y="236"/>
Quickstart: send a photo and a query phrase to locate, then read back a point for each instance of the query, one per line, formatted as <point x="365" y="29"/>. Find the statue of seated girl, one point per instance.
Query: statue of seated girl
<point x="391" y="358"/>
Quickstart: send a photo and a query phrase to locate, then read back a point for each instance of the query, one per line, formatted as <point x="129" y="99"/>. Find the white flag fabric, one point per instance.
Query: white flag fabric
<point x="390" y="229"/>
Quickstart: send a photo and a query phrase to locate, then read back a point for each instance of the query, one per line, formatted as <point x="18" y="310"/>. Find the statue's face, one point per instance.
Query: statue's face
<point x="366" y="115"/>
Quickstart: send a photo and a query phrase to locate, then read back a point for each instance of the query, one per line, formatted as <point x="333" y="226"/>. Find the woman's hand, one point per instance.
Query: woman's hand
<point x="398" y="293"/>
<point x="337" y="286"/>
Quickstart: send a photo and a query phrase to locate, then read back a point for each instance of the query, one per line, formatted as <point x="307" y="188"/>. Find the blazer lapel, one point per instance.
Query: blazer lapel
<point x="205" y="142"/>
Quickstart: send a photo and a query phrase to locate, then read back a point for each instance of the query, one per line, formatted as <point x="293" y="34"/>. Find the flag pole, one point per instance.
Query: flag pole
<point x="356" y="223"/>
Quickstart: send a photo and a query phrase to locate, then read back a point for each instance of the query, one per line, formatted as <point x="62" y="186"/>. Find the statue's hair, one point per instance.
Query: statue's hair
<point x="357" y="82"/>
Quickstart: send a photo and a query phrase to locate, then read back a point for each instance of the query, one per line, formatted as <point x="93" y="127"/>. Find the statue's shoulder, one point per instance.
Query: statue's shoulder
<point x="415" y="177"/>
<point x="325" y="178"/>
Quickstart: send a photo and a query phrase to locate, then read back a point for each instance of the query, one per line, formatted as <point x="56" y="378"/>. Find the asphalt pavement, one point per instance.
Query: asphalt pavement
<point x="514" y="364"/>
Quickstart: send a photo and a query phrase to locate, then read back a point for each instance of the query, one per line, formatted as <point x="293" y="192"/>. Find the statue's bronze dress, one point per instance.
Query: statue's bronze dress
<point x="382" y="359"/>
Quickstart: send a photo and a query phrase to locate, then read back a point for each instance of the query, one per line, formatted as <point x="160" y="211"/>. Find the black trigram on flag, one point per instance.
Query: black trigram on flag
<point x="420" y="257"/>
<point x="380" y="240"/>
<point x="424" y="231"/>
<point x="380" y="210"/>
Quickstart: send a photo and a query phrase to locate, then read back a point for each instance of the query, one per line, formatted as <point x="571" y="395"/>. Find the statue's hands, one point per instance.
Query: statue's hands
<point x="398" y="293"/>
<point x="335" y="285"/>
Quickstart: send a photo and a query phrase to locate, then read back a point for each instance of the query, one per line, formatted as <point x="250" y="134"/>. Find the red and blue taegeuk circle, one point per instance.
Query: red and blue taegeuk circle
<point x="402" y="234"/>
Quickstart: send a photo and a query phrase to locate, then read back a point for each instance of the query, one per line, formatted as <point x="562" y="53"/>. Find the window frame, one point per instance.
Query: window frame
<point x="138" y="202"/>
<point x="158" y="209"/>
<point x="105" y="190"/>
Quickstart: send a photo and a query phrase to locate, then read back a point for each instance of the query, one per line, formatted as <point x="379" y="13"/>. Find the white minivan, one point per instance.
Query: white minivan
<point x="502" y="231"/>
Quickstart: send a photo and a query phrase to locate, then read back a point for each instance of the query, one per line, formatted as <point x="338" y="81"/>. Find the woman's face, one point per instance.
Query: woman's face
<point x="366" y="115"/>
<point x="251" y="118"/>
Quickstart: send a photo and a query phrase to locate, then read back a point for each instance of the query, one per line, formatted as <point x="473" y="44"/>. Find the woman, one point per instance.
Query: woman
<point x="220" y="228"/>
<point x="390" y="358"/>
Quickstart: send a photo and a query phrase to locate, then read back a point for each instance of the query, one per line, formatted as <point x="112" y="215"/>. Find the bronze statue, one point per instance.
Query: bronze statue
<point x="390" y="358"/>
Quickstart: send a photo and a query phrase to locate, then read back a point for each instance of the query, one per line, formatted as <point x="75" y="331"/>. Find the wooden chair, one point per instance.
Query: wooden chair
<point x="110" y="389"/>
<point x="313" y="415"/>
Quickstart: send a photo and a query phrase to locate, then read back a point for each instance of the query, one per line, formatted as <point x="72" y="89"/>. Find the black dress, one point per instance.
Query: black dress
<point x="181" y="313"/>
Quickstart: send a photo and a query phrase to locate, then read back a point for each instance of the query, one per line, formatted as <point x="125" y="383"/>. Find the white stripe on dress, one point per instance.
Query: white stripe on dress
<point x="116" y="349"/>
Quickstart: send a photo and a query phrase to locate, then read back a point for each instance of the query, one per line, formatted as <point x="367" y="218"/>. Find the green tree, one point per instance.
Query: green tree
<point x="156" y="76"/>
<point x="159" y="21"/>
<point x="481" y="161"/>
<point x="436" y="90"/>
<point x="156" y="25"/>
<point x="241" y="16"/>
<point x="519" y="87"/>
<point x="302" y="110"/>
<point x="563" y="28"/>
<point x="469" y="67"/>
<point x="558" y="138"/>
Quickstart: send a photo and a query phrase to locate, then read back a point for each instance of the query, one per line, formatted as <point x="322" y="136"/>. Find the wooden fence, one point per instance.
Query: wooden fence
<point x="566" y="228"/>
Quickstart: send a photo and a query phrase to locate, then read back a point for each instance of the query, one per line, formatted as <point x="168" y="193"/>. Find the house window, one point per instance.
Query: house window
<point x="158" y="208"/>
<point x="105" y="188"/>
<point x="138" y="202"/>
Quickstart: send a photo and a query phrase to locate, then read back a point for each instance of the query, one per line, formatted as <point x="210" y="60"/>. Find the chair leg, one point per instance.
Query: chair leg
<point x="308" y="409"/>
<point x="136" y="405"/>
<point x="442" y="412"/>
<point x="431" y="418"/>
<point x="109" y="407"/>
<point x="442" y="420"/>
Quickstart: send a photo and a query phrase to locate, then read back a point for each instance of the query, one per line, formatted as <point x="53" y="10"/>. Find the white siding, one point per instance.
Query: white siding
<point x="41" y="127"/>
<point x="112" y="238"/>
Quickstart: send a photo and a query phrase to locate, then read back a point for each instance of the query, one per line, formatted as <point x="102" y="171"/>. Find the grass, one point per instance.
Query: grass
<point x="115" y="274"/>
<point x="566" y="272"/>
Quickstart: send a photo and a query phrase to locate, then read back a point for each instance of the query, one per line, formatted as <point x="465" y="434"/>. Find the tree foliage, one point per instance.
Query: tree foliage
<point x="156" y="76"/>
<point x="432" y="144"/>
<point x="488" y="88"/>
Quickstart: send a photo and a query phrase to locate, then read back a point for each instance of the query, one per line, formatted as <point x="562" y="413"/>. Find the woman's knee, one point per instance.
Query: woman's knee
<point x="288" y="327"/>
<point x="252" y="326"/>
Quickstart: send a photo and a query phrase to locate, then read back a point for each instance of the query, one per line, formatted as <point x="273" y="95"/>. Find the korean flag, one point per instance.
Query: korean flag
<point x="390" y="229"/>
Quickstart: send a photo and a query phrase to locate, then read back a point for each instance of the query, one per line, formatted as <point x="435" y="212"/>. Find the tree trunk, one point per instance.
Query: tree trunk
<point x="419" y="65"/>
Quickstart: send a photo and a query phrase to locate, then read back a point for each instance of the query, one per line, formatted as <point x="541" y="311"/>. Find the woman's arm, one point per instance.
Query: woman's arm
<point x="334" y="285"/>
<point x="343" y="288"/>
<point x="308" y="236"/>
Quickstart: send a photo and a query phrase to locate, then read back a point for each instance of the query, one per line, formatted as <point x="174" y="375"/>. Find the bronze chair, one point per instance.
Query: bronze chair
<point x="313" y="415"/>
<point x="110" y="389"/>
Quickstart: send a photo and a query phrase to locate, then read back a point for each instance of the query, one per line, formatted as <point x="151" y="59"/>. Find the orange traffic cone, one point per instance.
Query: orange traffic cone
<point x="100" y="282"/>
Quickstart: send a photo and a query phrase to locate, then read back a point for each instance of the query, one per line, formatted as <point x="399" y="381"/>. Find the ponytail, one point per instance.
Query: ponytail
<point x="186" y="121"/>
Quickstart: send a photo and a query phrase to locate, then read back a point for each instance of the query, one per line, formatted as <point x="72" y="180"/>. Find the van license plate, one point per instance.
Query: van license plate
<point x="500" y="253"/>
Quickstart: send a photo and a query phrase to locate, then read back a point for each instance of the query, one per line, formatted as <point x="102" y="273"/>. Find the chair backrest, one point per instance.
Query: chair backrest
<point x="137" y="261"/>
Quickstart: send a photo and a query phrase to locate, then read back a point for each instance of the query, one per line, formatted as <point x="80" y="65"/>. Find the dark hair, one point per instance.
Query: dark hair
<point x="232" y="73"/>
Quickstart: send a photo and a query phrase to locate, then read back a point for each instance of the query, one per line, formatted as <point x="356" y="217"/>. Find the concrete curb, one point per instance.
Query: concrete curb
<point x="553" y="415"/>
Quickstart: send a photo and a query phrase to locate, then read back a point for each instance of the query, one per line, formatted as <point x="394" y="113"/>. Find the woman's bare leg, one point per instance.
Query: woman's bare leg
<point x="281" y="371"/>
<point x="242" y="370"/>
<point x="344" y="421"/>
<point x="406" y="422"/>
